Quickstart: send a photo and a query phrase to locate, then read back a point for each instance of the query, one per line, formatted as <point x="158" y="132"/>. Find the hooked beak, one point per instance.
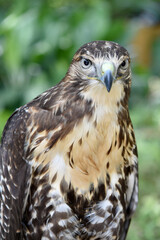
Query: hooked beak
<point x="108" y="70"/>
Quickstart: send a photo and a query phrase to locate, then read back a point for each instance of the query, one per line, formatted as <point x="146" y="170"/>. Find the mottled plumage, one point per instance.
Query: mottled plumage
<point x="69" y="157"/>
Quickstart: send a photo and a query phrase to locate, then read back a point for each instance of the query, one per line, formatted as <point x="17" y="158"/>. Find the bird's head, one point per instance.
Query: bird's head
<point x="106" y="62"/>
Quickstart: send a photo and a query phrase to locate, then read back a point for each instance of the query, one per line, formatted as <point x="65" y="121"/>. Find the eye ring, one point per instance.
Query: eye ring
<point x="124" y="64"/>
<point x="86" y="63"/>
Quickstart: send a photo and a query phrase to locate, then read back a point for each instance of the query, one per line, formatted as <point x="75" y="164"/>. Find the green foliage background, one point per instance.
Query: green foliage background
<point x="37" y="41"/>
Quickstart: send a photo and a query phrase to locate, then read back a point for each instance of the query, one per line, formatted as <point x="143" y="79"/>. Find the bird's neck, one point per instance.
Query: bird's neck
<point x="106" y="102"/>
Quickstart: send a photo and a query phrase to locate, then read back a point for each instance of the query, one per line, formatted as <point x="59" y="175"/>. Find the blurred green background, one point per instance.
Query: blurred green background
<point x="37" y="41"/>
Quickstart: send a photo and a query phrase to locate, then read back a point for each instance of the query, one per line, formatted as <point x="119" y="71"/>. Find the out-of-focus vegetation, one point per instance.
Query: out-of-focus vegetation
<point x="37" y="41"/>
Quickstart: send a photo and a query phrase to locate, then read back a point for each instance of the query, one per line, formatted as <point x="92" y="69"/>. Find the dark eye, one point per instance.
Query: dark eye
<point x="86" y="63"/>
<point x="124" y="64"/>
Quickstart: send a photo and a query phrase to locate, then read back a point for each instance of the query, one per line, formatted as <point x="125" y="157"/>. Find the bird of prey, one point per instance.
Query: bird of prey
<point x="69" y="157"/>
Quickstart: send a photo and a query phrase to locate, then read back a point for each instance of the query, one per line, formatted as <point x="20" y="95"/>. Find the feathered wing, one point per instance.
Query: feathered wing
<point x="15" y="176"/>
<point x="134" y="194"/>
<point x="130" y="210"/>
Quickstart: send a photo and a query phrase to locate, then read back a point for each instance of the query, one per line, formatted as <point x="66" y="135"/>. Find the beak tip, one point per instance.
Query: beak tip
<point x="108" y="88"/>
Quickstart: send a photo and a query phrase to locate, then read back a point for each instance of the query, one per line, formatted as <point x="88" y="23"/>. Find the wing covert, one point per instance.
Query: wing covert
<point x="15" y="176"/>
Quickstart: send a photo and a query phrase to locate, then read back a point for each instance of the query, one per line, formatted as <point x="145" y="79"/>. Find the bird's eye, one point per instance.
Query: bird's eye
<point x="86" y="63"/>
<point x="124" y="64"/>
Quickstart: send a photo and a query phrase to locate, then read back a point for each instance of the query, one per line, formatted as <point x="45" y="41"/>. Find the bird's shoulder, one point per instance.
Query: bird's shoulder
<point x="15" y="128"/>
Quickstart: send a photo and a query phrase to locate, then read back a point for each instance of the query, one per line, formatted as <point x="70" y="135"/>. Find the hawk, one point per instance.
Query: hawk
<point x="69" y="157"/>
